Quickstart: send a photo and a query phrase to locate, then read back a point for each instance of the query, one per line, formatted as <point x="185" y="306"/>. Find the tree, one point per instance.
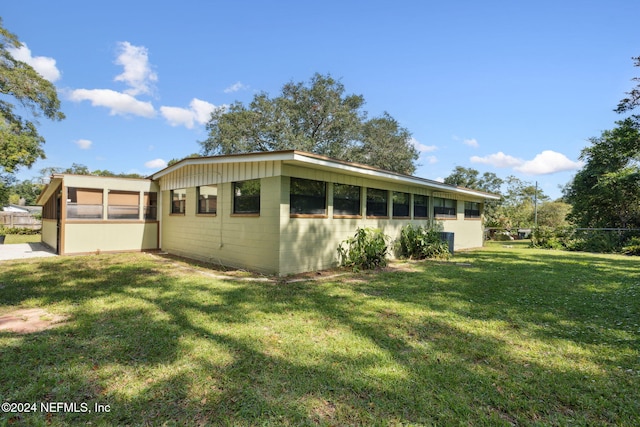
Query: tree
<point x="489" y="182"/>
<point x="553" y="214"/>
<point x="633" y="99"/>
<point x="26" y="190"/>
<point x="319" y="118"/>
<point x="606" y="191"/>
<point x="20" y="143"/>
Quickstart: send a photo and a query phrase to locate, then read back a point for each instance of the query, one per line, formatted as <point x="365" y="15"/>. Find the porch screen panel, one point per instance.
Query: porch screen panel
<point x="123" y="205"/>
<point x="84" y="203"/>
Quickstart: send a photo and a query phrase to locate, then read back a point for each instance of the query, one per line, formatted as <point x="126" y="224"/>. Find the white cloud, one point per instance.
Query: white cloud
<point x="421" y="147"/>
<point x="498" y="160"/>
<point x="439" y="179"/>
<point x="471" y="142"/>
<point x="548" y="162"/>
<point x="236" y="87"/>
<point x="199" y="112"/>
<point x="44" y="65"/>
<point x="431" y="159"/>
<point x="155" y="164"/>
<point x="137" y="71"/>
<point x="84" y="144"/>
<point x="119" y="103"/>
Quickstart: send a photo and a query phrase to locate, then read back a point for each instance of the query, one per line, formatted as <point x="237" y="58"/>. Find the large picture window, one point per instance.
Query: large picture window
<point x="246" y="197"/>
<point x="151" y="205"/>
<point x="207" y="199"/>
<point x="444" y="208"/>
<point x="420" y="206"/>
<point x="84" y="203"/>
<point x="307" y="197"/>
<point x="471" y="210"/>
<point x="123" y="205"/>
<point x="346" y="200"/>
<point x="178" y="201"/>
<point x="400" y="205"/>
<point x="377" y="203"/>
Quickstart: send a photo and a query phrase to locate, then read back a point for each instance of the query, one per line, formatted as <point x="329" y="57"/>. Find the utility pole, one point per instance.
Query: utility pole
<point x="535" y="207"/>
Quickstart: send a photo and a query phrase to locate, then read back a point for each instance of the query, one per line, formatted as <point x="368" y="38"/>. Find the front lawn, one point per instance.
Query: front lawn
<point x="499" y="336"/>
<point x="22" y="238"/>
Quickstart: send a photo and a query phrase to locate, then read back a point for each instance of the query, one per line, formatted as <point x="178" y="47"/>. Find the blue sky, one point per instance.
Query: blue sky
<point x="510" y="87"/>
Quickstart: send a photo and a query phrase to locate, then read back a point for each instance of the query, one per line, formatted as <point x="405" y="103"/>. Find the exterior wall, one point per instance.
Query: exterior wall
<point x="241" y="241"/>
<point x="308" y="244"/>
<point x="50" y="233"/>
<point x="467" y="233"/>
<point x="111" y="236"/>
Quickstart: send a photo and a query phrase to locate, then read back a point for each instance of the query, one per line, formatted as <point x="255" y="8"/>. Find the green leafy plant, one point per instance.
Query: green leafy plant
<point x="632" y="246"/>
<point x="420" y="242"/>
<point x="367" y="249"/>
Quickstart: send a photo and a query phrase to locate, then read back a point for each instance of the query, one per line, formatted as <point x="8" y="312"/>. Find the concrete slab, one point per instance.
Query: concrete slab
<point x="24" y="250"/>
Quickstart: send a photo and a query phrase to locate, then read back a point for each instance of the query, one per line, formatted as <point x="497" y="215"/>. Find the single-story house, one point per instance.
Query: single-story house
<point x="281" y="212"/>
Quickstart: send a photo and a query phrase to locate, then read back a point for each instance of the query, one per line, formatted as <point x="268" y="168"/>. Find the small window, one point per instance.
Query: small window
<point x="123" y="205"/>
<point x="178" y="201"/>
<point x="246" y="197"/>
<point x="151" y="205"/>
<point x="400" y="205"/>
<point x="444" y="208"/>
<point x="207" y="199"/>
<point x="307" y="197"/>
<point x="420" y="206"/>
<point x="84" y="203"/>
<point x="346" y="200"/>
<point x="471" y="210"/>
<point x="377" y="203"/>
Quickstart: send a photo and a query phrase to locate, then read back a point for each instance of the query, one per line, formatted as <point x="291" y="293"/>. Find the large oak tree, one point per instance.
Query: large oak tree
<point x="318" y="117"/>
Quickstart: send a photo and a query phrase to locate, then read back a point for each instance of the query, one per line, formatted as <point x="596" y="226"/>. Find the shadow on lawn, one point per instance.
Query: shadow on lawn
<point x="188" y="350"/>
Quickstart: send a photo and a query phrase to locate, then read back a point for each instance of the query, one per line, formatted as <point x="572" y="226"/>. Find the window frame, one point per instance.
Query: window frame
<point x="426" y="206"/>
<point x="470" y="213"/>
<point x="395" y="205"/>
<point x="309" y="213"/>
<point x="113" y="216"/>
<point x="439" y="212"/>
<point x="359" y="200"/>
<point x="234" y="187"/>
<point x="182" y="203"/>
<point x="72" y="193"/>
<point x="150" y="206"/>
<point x="385" y="193"/>
<point x="199" y="200"/>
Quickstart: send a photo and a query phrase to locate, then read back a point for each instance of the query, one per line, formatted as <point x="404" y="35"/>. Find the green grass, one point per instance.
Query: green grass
<point x="499" y="336"/>
<point x="22" y="238"/>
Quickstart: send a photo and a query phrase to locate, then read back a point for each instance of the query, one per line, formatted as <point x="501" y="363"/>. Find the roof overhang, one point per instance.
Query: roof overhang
<point x="294" y="157"/>
<point x="49" y="189"/>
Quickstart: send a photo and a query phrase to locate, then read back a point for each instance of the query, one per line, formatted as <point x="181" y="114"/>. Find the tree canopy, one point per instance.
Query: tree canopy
<point x="20" y="143"/>
<point x="606" y="191"/>
<point x="319" y="118"/>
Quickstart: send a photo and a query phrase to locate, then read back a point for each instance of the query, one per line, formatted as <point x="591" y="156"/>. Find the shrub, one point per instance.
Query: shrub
<point x="22" y="231"/>
<point x="632" y="247"/>
<point x="599" y="241"/>
<point x="367" y="249"/>
<point x="420" y="242"/>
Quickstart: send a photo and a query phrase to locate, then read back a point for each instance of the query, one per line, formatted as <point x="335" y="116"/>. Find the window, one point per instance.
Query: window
<point x="420" y="206"/>
<point x="307" y="197"/>
<point x="84" y="203"/>
<point x="377" y="203"/>
<point x="471" y="210"/>
<point x="444" y="208"/>
<point x="246" y="197"/>
<point x="151" y="205"/>
<point x="123" y="205"/>
<point x="400" y="205"/>
<point x="346" y="200"/>
<point x="178" y="201"/>
<point x="207" y="199"/>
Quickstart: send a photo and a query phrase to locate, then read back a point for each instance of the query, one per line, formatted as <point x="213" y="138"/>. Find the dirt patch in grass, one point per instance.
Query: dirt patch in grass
<point x="29" y="320"/>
